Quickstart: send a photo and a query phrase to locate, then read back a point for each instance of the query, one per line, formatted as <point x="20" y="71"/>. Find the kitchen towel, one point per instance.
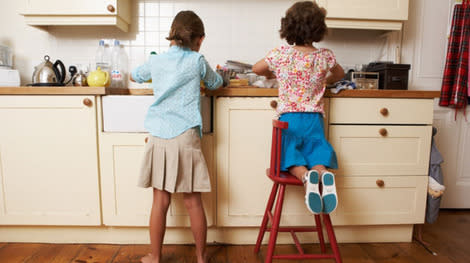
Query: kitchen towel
<point x="454" y="90"/>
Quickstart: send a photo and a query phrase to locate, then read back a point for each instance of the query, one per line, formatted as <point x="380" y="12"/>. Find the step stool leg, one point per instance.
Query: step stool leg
<point x="331" y="237"/>
<point x="275" y="224"/>
<point x="321" y="239"/>
<point x="264" y="223"/>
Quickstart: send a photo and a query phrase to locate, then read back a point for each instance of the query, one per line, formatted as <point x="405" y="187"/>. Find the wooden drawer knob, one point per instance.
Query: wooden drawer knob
<point x="380" y="183"/>
<point x="111" y="8"/>
<point x="146" y="139"/>
<point x="273" y="104"/>
<point x="87" y="102"/>
<point x="383" y="132"/>
<point x="384" y="112"/>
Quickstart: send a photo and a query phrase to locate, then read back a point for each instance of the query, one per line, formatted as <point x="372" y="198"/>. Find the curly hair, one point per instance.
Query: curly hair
<point x="304" y="23"/>
<point x="186" y="27"/>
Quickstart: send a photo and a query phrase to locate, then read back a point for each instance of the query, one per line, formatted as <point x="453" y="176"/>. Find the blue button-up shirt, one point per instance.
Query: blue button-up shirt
<point x="176" y="78"/>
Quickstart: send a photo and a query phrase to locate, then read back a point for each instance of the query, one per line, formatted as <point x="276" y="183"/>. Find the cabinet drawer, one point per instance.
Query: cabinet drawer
<point x="362" y="150"/>
<point x="401" y="200"/>
<point x="381" y="111"/>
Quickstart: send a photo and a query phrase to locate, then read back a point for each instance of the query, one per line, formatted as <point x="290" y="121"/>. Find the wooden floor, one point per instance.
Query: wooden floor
<point x="449" y="238"/>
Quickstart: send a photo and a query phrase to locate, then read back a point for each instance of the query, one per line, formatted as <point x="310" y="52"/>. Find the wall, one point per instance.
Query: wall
<point x="243" y="30"/>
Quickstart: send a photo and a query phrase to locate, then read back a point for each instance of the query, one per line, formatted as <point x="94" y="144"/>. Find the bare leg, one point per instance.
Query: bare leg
<point x="193" y="204"/>
<point x="161" y="202"/>
<point x="298" y="171"/>
<point x="319" y="168"/>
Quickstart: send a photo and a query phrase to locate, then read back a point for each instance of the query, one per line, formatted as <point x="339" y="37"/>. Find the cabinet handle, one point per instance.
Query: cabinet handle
<point x="146" y="139"/>
<point x="87" y="102"/>
<point x="380" y="183"/>
<point x="273" y="104"/>
<point x="383" y="132"/>
<point x="384" y="112"/>
<point x="111" y="8"/>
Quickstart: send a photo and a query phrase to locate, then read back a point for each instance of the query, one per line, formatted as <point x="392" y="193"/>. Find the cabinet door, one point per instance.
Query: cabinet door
<point x="362" y="150"/>
<point x="73" y="7"/>
<point x="364" y="201"/>
<point x="74" y="12"/>
<point x="126" y="204"/>
<point x="48" y="161"/>
<point x="243" y="139"/>
<point x="366" y="9"/>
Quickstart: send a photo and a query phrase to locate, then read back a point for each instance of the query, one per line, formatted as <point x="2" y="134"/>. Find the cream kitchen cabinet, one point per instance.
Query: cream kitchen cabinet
<point x="125" y="204"/>
<point x="366" y="14"/>
<point x="243" y="140"/>
<point x="383" y="154"/>
<point x="48" y="161"/>
<point x="74" y="12"/>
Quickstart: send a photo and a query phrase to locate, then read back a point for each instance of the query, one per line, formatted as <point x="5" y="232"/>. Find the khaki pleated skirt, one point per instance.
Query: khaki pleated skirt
<point x="175" y="165"/>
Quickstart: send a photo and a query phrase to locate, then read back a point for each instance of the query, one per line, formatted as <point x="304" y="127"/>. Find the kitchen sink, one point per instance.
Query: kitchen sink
<point x="126" y="113"/>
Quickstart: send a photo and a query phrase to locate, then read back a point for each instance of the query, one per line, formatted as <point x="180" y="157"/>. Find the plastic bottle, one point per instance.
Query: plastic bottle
<point x="119" y="67"/>
<point x="103" y="58"/>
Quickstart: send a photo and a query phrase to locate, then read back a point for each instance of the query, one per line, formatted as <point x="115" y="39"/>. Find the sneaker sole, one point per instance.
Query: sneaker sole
<point x="330" y="200"/>
<point x="313" y="199"/>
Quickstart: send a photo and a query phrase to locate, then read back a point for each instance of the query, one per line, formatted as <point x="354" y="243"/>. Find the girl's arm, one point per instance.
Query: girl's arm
<point x="336" y="74"/>
<point x="262" y="68"/>
<point x="212" y="80"/>
<point x="141" y="73"/>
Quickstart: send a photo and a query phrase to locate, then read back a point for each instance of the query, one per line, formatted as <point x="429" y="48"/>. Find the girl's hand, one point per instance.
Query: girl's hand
<point x="337" y="74"/>
<point x="262" y="68"/>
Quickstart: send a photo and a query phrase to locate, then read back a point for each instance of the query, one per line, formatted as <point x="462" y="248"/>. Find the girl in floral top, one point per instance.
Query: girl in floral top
<point x="302" y="71"/>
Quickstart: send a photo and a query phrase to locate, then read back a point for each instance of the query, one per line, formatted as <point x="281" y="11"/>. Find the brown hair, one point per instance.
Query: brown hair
<point x="304" y="23"/>
<point x="186" y="27"/>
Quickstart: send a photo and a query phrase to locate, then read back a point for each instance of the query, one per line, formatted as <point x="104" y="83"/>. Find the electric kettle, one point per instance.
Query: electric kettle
<point x="48" y="74"/>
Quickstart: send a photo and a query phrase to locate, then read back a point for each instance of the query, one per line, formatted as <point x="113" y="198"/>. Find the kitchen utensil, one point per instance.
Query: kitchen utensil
<point x="48" y="74"/>
<point x="79" y="79"/>
<point x="6" y="57"/>
<point x="98" y="78"/>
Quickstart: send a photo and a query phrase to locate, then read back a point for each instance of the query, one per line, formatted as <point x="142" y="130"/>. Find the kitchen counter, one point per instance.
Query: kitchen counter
<point x="250" y="91"/>
<point x="52" y="90"/>
<point x="244" y="91"/>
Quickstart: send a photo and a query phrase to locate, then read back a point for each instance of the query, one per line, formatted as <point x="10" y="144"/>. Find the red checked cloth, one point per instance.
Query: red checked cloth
<point x="454" y="91"/>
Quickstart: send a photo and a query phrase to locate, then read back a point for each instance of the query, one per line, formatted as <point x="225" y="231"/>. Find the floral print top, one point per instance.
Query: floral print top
<point x="301" y="77"/>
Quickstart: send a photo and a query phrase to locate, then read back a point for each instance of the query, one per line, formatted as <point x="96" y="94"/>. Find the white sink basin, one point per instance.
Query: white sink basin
<point x="126" y="113"/>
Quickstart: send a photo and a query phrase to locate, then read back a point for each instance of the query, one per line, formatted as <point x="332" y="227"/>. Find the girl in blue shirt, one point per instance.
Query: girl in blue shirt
<point x="173" y="161"/>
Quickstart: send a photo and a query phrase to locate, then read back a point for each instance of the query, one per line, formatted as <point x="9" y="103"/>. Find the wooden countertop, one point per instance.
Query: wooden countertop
<point x="250" y="91"/>
<point x="244" y="91"/>
<point x="52" y="90"/>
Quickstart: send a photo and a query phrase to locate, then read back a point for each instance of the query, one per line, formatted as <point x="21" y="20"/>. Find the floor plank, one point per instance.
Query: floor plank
<point x="55" y="253"/>
<point x="18" y="253"/>
<point x="96" y="253"/>
<point x="131" y="253"/>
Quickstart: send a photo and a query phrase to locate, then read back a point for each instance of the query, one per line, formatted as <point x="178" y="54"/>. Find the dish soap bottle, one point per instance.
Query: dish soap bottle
<point x="151" y="53"/>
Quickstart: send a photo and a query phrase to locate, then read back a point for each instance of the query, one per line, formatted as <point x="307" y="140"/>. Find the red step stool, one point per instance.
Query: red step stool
<point x="280" y="181"/>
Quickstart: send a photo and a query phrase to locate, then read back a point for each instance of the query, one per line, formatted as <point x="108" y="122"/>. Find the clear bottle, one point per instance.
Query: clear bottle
<point x="103" y="58"/>
<point x="119" y="68"/>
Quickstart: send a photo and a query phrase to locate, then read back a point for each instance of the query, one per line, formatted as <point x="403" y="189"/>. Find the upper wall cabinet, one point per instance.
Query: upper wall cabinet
<point x="366" y="14"/>
<point x="78" y="12"/>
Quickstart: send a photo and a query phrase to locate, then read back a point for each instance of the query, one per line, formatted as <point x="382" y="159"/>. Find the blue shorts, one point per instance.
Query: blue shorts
<point x="304" y="142"/>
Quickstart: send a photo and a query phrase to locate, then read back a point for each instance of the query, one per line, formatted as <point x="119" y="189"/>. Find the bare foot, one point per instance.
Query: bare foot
<point x="149" y="259"/>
